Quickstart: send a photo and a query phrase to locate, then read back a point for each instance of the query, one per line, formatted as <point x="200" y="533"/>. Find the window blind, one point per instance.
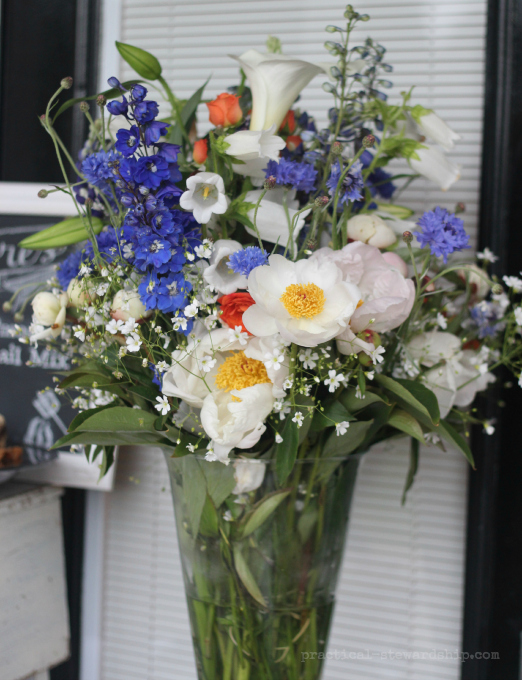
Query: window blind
<point x="401" y="586"/>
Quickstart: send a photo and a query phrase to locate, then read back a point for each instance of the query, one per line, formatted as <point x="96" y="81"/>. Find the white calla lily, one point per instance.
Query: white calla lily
<point x="275" y="81"/>
<point x="271" y="220"/>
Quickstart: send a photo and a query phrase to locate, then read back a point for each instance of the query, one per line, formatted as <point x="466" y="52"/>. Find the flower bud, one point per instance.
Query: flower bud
<point x="270" y="182"/>
<point x="100" y="100"/>
<point x="407" y="237"/>
<point x="368" y="141"/>
<point x="321" y="201"/>
<point x="497" y="289"/>
<point x="127" y="304"/>
<point x="200" y="152"/>
<point x="460" y="208"/>
<point x="43" y="193"/>
<point x="7" y="306"/>
<point x="80" y="293"/>
<point x="311" y="244"/>
<point x="370" y="229"/>
<point x="114" y="82"/>
<point x="19" y="316"/>
<point x="66" y="83"/>
<point x="84" y="107"/>
<point x="365" y="359"/>
<point x="337" y="148"/>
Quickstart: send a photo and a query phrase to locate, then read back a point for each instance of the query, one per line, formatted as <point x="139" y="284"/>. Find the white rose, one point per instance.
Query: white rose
<point x="370" y="229"/>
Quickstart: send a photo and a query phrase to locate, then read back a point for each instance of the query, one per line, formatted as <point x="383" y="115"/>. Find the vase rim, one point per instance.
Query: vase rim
<point x="298" y="461"/>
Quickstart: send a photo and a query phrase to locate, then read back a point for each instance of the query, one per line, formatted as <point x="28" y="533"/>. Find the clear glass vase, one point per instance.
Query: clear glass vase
<point x="261" y="566"/>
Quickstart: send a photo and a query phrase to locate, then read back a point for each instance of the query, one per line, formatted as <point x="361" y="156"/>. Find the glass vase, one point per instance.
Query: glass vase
<point x="260" y="562"/>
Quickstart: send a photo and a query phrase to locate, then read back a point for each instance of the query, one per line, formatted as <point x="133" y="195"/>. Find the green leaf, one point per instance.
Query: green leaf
<point x="187" y="112"/>
<point x="65" y="233"/>
<point x="412" y="470"/>
<point x="262" y="511"/>
<point x="120" y="419"/>
<point x="424" y="395"/>
<point x="286" y="451"/>
<point x="344" y="444"/>
<point x="220" y="480"/>
<point x="107" y="461"/>
<point x="85" y="415"/>
<point x="306" y="523"/>
<point x="405" y="422"/>
<point x="84" y="380"/>
<point x="108" y="94"/>
<point x="148" y="393"/>
<point x="144" y="63"/>
<point x="451" y="435"/>
<point x="209" y="523"/>
<point x="407" y="394"/>
<point x="334" y="412"/>
<point x="194" y="490"/>
<point x="112" y="439"/>
<point x="418" y="111"/>
<point x="354" y="404"/>
<point x="246" y="577"/>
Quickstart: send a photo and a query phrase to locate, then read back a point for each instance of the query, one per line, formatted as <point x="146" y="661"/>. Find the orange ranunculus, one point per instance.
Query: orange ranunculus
<point x="225" y="110"/>
<point x="292" y="142"/>
<point x="200" y="151"/>
<point x="232" y="308"/>
<point x="288" y="124"/>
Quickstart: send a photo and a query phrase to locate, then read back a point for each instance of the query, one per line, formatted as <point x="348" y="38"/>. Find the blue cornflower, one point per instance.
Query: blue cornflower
<point x="96" y="168"/>
<point x="68" y="269"/>
<point x="155" y="130"/>
<point x="146" y="111"/>
<point x="484" y="316"/>
<point x="151" y="170"/>
<point x="243" y="261"/>
<point x="443" y="232"/>
<point x="127" y="140"/>
<point x="300" y="176"/>
<point x="352" y="186"/>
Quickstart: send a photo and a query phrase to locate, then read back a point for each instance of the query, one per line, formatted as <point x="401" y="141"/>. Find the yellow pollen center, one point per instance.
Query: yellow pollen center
<point x="239" y="371"/>
<point x="303" y="300"/>
<point x="360" y="303"/>
<point x="206" y="191"/>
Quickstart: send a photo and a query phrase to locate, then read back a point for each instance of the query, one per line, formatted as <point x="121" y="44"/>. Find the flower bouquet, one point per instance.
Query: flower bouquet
<point x="255" y="303"/>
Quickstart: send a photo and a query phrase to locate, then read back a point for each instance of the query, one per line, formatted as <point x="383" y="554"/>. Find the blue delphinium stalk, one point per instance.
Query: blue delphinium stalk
<point x="299" y="176"/>
<point x="352" y="186"/>
<point x="244" y="261"/>
<point x="443" y="232"/>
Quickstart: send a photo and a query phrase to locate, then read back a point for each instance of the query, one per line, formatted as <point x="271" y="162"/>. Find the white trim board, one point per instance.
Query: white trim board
<point x="21" y="198"/>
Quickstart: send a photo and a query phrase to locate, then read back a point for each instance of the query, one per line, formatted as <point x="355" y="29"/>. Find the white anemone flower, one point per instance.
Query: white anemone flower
<point x="49" y="310"/>
<point x="432" y="126"/>
<point x="307" y="301"/>
<point x="218" y="274"/>
<point x="271" y="220"/>
<point x="205" y="196"/>
<point x="255" y="148"/>
<point x="434" y="165"/>
<point x="275" y="81"/>
<point x="455" y="377"/>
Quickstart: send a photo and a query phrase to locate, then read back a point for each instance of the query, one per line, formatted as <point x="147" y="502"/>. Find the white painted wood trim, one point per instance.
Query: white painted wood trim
<point x="110" y="32"/>
<point x="21" y="198"/>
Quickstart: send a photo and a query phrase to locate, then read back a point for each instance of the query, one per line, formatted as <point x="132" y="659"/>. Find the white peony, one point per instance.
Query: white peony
<point x="307" y="302"/>
<point x="49" y="310"/>
<point x="455" y="377"/>
<point x="205" y="196"/>
<point x="272" y="221"/>
<point x="218" y="274"/>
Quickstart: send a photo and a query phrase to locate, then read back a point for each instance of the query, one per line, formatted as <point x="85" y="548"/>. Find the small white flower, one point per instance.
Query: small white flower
<point x="487" y="255"/>
<point x="278" y="438"/>
<point x="128" y="252"/>
<point x="205" y="195"/>
<point x="442" y="322"/>
<point x="341" y="428"/>
<point x="309" y="358"/>
<point x="179" y="323"/>
<point x="334" y="380"/>
<point x="298" y="418"/>
<point x="114" y="326"/>
<point x="489" y="427"/>
<point x="204" y="251"/>
<point x="192" y="447"/>
<point x="192" y="309"/>
<point x="482" y="368"/>
<point x="282" y="407"/>
<point x="518" y="316"/>
<point x="274" y="359"/>
<point x="122" y="352"/>
<point x="431" y="438"/>
<point x="359" y="394"/>
<point x="238" y="334"/>
<point x="162" y="406"/>
<point x="287" y="385"/>
<point x="513" y="282"/>
<point x="210" y="455"/>
<point x="104" y="272"/>
<point x="306" y="390"/>
<point x="207" y="363"/>
<point x="102" y="289"/>
<point x="370" y="375"/>
<point x="227" y="516"/>
<point x="85" y="270"/>
<point x="376" y="355"/>
<point x="162" y="366"/>
<point x="129" y="326"/>
<point x="133" y="342"/>
<point x="79" y="333"/>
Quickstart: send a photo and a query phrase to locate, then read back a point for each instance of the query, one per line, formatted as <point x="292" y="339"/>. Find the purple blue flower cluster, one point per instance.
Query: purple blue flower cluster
<point x="299" y="176"/>
<point x="486" y="317"/>
<point x="443" y="232"/>
<point x="243" y="261"/>
<point x="352" y="185"/>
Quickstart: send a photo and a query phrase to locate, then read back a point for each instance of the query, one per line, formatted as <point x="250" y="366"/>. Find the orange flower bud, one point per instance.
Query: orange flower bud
<point x="232" y="308"/>
<point x="292" y="142"/>
<point x="288" y="124"/>
<point x="200" y="151"/>
<point x="224" y="110"/>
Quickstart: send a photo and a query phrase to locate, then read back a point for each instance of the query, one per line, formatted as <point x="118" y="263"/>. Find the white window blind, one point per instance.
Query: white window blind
<point x="401" y="587"/>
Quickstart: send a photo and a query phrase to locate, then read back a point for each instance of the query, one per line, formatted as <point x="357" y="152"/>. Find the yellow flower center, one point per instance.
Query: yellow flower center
<point x="206" y="191"/>
<point x="303" y="299"/>
<point x="239" y="371"/>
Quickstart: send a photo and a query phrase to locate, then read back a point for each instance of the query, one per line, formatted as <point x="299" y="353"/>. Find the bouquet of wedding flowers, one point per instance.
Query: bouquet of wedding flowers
<point x="255" y="303"/>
